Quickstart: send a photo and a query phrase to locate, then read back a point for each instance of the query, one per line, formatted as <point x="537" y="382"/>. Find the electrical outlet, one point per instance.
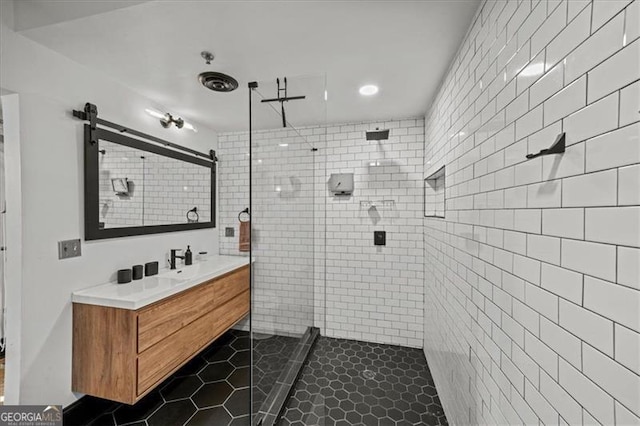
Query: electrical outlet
<point x="69" y="248"/>
<point x="229" y="232"/>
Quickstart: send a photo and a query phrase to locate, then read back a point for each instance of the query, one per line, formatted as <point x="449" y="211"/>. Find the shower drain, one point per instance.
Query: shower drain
<point x="368" y="374"/>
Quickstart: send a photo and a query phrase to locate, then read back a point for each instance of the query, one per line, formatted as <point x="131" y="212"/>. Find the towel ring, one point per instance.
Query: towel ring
<point x="193" y="216"/>
<point x="247" y="213"/>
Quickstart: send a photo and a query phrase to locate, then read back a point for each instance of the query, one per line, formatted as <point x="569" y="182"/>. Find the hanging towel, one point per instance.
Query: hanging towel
<point x="245" y="236"/>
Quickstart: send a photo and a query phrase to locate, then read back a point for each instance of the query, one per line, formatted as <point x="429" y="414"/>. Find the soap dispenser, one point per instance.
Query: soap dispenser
<point x="188" y="256"/>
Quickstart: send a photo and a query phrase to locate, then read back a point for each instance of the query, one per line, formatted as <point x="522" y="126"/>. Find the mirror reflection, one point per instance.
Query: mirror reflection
<point x="140" y="188"/>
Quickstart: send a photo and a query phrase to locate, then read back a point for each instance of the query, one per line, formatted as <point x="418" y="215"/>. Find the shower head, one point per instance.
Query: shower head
<point x="377" y="135"/>
<point x="218" y="82"/>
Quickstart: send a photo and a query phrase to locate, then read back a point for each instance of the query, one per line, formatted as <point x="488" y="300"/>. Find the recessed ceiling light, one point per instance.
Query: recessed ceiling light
<point x="368" y="90"/>
<point x="284" y="145"/>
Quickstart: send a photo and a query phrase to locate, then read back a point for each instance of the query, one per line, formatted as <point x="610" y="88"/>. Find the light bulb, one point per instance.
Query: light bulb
<point x="155" y="113"/>
<point x="190" y="126"/>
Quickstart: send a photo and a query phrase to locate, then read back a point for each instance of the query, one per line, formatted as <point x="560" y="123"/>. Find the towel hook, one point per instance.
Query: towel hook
<point x="244" y="211"/>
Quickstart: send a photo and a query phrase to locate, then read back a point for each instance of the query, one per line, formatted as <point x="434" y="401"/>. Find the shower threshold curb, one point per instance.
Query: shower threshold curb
<point x="274" y="404"/>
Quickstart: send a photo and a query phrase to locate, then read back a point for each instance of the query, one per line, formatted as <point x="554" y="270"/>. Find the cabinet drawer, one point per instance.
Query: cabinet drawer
<point x="231" y="285"/>
<point x="173" y="351"/>
<point x="164" y="318"/>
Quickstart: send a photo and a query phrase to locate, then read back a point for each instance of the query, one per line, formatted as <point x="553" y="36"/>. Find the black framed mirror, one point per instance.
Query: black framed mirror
<point x="135" y="187"/>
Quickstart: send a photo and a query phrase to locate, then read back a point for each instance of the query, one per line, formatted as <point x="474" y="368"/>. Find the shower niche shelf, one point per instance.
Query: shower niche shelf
<point x="434" y="194"/>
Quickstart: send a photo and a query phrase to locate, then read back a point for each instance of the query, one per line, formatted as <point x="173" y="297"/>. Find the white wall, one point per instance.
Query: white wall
<point x="372" y="293"/>
<point x="532" y="279"/>
<point x="49" y="86"/>
<point x="13" y="238"/>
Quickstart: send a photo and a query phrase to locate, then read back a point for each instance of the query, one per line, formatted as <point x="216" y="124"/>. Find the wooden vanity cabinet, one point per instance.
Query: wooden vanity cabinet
<point x="121" y="354"/>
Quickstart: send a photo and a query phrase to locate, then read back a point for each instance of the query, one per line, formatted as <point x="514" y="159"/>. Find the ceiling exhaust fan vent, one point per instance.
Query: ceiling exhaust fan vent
<point x="218" y="82"/>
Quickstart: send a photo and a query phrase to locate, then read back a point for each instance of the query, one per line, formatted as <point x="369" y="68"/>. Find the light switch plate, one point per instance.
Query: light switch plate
<point x="229" y="232"/>
<point x="69" y="248"/>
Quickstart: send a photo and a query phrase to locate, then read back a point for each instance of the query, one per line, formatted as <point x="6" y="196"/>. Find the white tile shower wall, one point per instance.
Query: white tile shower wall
<point x="532" y="309"/>
<point x="371" y="293"/>
<point x="282" y="223"/>
<point x="375" y="293"/>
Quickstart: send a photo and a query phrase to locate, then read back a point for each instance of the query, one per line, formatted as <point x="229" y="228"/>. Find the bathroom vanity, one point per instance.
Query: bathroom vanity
<point x="128" y="338"/>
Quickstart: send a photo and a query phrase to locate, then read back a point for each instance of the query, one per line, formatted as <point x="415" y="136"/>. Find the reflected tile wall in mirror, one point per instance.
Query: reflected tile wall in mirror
<point x="161" y="190"/>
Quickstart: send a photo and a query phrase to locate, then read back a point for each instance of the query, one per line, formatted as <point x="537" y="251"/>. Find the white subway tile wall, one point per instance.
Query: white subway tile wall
<point x="372" y="293"/>
<point x="282" y="216"/>
<point x="538" y="323"/>
<point x="375" y="293"/>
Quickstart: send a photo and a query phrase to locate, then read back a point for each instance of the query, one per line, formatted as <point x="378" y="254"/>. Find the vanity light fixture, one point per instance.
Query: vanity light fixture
<point x="369" y="90"/>
<point x="283" y="145"/>
<point x="167" y="120"/>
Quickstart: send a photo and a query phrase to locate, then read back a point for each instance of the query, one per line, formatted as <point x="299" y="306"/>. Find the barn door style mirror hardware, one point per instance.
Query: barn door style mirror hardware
<point x="558" y="147"/>
<point x="127" y="190"/>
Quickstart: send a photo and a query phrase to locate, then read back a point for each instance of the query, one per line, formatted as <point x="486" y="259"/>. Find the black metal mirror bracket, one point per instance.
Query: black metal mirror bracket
<point x="558" y="147"/>
<point x="89" y="114"/>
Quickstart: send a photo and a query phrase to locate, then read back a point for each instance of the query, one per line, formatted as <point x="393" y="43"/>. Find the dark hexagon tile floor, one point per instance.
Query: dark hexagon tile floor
<point x="212" y="389"/>
<point x="346" y="382"/>
<point x="270" y="356"/>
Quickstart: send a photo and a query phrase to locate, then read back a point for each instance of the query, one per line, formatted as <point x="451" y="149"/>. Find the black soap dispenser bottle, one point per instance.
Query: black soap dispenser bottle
<point x="188" y="256"/>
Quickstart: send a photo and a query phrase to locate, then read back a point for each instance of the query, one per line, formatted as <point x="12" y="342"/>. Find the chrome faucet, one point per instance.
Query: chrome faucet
<point x="174" y="256"/>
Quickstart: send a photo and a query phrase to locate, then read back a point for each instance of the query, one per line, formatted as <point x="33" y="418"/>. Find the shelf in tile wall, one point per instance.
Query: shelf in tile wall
<point x="378" y="204"/>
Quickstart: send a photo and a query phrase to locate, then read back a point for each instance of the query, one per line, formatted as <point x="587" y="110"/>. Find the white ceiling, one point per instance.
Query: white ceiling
<point x="154" y="47"/>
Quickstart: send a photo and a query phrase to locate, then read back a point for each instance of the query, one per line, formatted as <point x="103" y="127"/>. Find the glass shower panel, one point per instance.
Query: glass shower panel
<point x="286" y="242"/>
<point x="2" y="260"/>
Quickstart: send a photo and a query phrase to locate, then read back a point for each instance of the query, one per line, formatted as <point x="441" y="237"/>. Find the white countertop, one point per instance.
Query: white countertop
<point x="140" y="293"/>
